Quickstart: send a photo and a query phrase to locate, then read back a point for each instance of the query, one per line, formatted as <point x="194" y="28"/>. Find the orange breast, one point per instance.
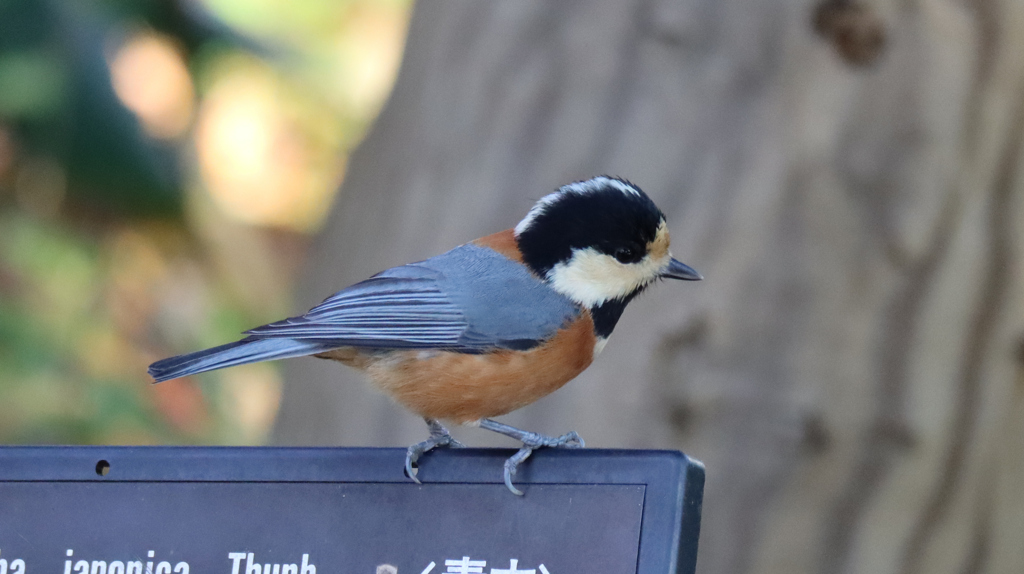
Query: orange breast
<point x="464" y="388"/>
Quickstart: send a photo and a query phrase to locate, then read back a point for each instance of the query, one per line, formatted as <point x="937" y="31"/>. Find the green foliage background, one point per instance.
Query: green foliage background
<point x="112" y="252"/>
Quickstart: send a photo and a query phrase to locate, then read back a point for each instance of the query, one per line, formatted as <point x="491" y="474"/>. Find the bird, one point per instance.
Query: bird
<point x="488" y="327"/>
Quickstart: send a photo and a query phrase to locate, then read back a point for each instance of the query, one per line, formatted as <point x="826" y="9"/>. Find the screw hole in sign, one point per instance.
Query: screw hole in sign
<point x="102" y="468"/>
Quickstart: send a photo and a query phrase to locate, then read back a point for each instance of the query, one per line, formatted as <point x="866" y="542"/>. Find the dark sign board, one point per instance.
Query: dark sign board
<point x="167" y="510"/>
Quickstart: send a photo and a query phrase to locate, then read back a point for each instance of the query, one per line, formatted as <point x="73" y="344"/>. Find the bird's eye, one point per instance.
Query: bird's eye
<point x="627" y="255"/>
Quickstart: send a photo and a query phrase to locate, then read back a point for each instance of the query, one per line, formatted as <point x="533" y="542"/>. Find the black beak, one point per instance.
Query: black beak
<point x="679" y="270"/>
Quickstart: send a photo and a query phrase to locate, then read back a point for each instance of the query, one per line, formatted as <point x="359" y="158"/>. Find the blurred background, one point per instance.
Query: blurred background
<point x="163" y="165"/>
<point x="845" y="174"/>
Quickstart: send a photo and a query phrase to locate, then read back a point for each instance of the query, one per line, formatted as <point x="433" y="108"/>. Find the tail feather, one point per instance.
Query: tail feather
<point x="249" y="350"/>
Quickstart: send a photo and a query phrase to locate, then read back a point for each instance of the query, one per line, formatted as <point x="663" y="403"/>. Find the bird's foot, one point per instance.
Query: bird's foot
<point x="531" y="441"/>
<point x="439" y="437"/>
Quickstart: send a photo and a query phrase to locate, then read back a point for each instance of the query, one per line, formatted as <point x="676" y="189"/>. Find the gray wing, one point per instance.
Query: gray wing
<point x="470" y="299"/>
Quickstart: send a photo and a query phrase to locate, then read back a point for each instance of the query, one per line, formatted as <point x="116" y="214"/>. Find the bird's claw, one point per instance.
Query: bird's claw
<point x="439" y="437"/>
<point x="571" y="439"/>
<point x="532" y="441"/>
<point x="512" y="465"/>
<point x="411" y="456"/>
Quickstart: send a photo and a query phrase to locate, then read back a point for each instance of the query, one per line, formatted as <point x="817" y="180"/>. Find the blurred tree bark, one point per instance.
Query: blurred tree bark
<point x="851" y="369"/>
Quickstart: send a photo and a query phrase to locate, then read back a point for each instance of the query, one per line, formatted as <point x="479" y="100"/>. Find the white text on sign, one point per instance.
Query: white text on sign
<point x="17" y="566"/>
<point x="122" y="566"/>
<point x="253" y="567"/>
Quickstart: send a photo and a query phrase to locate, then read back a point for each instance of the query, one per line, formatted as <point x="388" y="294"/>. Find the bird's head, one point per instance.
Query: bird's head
<point x="599" y="242"/>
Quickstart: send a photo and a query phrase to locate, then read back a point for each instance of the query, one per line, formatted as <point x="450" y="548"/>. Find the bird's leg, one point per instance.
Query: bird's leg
<point x="531" y="441"/>
<point x="439" y="436"/>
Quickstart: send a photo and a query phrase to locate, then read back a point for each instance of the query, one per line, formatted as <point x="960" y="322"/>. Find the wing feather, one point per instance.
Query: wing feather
<point x="402" y="307"/>
<point x="470" y="299"/>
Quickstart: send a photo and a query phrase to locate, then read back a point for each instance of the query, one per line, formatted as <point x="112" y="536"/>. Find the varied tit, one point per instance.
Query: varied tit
<point x="488" y="327"/>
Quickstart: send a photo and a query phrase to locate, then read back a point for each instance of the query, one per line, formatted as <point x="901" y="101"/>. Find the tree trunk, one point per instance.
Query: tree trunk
<point x="850" y="371"/>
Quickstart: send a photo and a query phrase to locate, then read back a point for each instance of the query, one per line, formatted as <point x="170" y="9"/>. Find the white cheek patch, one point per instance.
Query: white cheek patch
<point x="591" y="277"/>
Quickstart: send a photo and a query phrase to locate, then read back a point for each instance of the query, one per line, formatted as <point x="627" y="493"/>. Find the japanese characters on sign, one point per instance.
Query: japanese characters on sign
<point x="467" y="566"/>
<point x="245" y="563"/>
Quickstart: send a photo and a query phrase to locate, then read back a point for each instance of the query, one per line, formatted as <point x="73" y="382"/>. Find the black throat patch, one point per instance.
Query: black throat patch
<point x="606" y="315"/>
